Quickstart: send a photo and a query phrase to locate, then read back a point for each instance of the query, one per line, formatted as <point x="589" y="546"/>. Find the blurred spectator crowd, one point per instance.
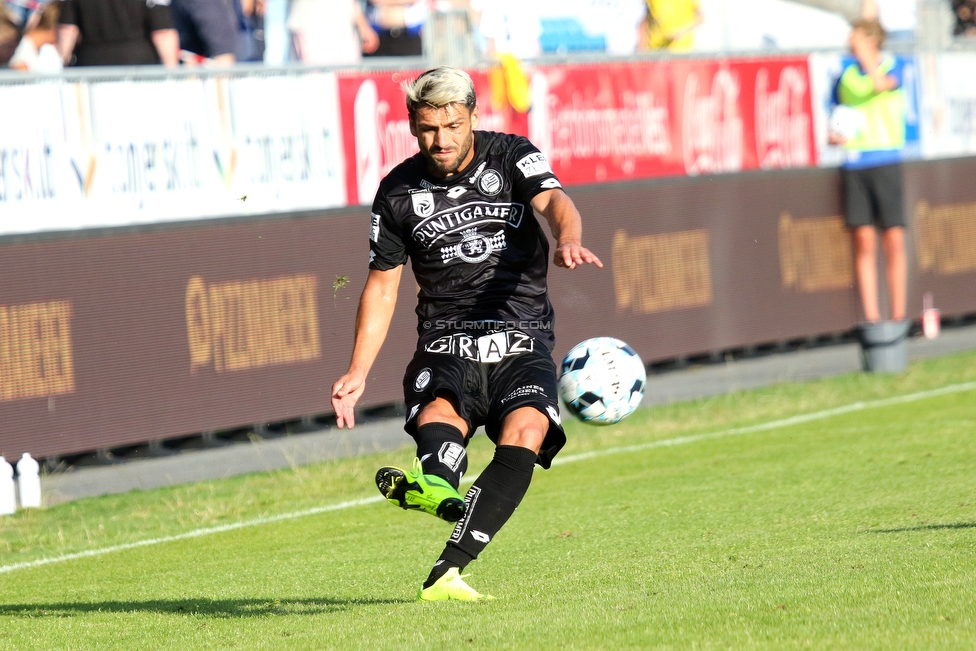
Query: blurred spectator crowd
<point x="965" y="14"/>
<point x="45" y="36"/>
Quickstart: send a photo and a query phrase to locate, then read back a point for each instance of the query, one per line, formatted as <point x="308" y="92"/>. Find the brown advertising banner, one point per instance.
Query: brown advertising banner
<point x="710" y="264"/>
<point x="110" y="339"/>
<point x="940" y="199"/>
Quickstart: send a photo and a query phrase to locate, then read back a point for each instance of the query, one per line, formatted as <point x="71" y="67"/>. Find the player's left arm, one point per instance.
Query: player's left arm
<point x="566" y="227"/>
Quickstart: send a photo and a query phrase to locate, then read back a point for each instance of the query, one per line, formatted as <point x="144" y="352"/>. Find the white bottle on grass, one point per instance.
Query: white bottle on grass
<point x="8" y="498"/>
<point x="29" y="481"/>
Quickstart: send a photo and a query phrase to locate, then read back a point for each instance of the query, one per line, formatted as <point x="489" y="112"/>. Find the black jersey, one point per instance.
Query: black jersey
<point x="475" y="246"/>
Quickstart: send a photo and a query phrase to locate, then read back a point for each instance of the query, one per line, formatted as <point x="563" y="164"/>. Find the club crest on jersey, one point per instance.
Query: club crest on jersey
<point x="490" y="183"/>
<point x="423" y="202"/>
<point x="474" y="247"/>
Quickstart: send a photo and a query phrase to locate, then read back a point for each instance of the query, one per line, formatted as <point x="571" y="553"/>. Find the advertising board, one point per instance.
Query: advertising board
<point x="121" y="338"/>
<point x="117" y="153"/>
<point x="650" y="119"/>
<point x="948" y="104"/>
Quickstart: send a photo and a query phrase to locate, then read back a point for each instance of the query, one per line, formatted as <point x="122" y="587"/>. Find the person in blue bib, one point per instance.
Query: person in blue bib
<point x="869" y="121"/>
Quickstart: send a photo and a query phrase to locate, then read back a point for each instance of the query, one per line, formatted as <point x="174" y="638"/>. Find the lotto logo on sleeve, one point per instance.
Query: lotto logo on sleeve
<point x="534" y="165"/>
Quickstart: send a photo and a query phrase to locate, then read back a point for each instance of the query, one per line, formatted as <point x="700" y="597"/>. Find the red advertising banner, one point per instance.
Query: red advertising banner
<point x="610" y="122"/>
<point x="642" y="120"/>
<point x="782" y="113"/>
<point x="744" y="115"/>
<point x="600" y="123"/>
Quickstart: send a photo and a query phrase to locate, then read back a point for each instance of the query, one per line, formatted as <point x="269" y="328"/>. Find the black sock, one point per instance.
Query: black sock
<point x="440" y="448"/>
<point x="440" y="569"/>
<point x="490" y="502"/>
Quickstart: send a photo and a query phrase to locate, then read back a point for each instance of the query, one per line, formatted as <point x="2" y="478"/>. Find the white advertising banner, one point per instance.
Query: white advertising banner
<point x="825" y="69"/>
<point x="152" y="153"/>
<point x="948" y="104"/>
<point x="39" y="180"/>
<point x="104" y="154"/>
<point x="286" y="152"/>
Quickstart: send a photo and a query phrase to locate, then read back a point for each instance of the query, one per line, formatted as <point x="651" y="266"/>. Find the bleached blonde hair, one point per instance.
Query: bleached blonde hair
<point x="440" y="87"/>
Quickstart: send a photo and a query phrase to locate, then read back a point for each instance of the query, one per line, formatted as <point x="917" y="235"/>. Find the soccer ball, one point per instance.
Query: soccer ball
<point x="602" y="380"/>
<point x="846" y="122"/>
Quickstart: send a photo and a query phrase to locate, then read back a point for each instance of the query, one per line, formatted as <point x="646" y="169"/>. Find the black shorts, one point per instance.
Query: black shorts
<point x="484" y="393"/>
<point x="874" y="197"/>
<point x="207" y="27"/>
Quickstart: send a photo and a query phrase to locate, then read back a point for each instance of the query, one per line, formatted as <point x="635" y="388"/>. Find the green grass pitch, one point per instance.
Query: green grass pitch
<point x="832" y="514"/>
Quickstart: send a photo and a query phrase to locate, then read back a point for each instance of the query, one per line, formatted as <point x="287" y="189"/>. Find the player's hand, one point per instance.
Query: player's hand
<point x="836" y="139"/>
<point x="345" y="395"/>
<point x="572" y="254"/>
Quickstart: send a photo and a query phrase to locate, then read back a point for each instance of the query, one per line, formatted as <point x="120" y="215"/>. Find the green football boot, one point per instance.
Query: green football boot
<point x="451" y="586"/>
<point x="414" y="490"/>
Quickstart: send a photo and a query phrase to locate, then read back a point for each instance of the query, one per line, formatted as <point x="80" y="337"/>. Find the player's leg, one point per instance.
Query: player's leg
<point x="499" y="489"/>
<point x="489" y="503"/>
<point x="432" y="384"/>
<point x="441" y="440"/>
<point x="523" y="421"/>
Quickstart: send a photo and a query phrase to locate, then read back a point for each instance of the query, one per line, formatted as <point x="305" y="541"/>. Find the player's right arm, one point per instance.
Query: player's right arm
<point x="376" y="305"/>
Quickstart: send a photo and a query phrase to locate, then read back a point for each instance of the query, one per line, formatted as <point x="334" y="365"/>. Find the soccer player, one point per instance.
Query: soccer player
<point x="462" y="211"/>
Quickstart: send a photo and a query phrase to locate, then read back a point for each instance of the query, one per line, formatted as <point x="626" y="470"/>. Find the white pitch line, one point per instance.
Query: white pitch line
<point x="196" y="533"/>
<point x="573" y="458"/>
<point x="773" y="424"/>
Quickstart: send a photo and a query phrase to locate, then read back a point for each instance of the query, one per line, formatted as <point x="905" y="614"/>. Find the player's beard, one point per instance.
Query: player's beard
<point x="453" y="166"/>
